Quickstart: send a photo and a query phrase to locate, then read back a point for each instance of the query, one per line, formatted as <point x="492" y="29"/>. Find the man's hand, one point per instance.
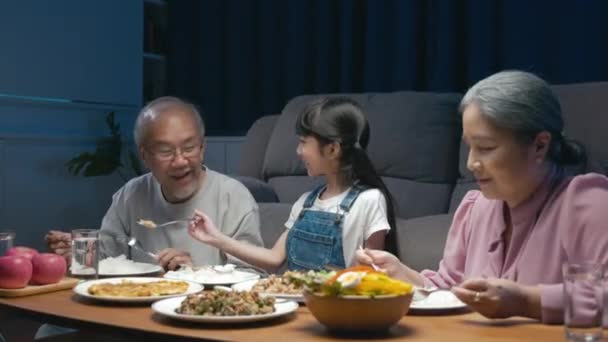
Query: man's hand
<point x="170" y="258"/>
<point x="60" y="243"/>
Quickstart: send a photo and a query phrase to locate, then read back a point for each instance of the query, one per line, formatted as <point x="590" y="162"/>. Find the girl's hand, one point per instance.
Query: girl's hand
<point x="495" y="298"/>
<point x="384" y="260"/>
<point x="203" y="229"/>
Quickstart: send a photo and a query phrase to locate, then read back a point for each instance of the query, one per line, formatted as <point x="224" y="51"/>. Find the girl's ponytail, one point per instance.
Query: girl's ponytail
<point x="364" y="171"/>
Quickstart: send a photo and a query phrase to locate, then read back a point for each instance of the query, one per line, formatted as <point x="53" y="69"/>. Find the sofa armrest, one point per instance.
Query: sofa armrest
<point x="421" y="240"/>
<point x="260" y="190"/>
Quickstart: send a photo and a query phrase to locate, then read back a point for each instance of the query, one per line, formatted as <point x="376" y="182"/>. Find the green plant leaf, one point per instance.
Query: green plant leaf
<point x="101" y="166"/>
<point x="107" y="157"/>
<point x="135" y="163"/>
<point x="77" y="163"/>
<point x="114" y="127"/>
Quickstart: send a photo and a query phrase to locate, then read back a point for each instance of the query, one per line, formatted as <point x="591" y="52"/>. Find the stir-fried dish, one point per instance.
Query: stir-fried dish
<point x="226" y="303"/>
<point x="134" y="289"/>
<point x="289" y="283"/>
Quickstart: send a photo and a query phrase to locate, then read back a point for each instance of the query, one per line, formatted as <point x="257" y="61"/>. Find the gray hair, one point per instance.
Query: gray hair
<point x="161" y="105"/>
<point x="524" y="104"/>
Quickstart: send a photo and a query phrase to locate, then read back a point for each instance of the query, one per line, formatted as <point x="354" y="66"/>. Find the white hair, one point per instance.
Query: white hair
<point x="525" y="104"/>
<point x="161" y="105"/>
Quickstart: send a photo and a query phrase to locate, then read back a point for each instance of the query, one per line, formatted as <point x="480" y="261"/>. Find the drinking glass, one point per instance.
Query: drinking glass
<point x="584" y="301"/>
<point x="7" y="239"/>
<point x="85" y="253"/>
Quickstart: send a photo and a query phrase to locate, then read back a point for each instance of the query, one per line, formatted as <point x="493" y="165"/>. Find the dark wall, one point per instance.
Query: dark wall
<point x="64" y="64"/>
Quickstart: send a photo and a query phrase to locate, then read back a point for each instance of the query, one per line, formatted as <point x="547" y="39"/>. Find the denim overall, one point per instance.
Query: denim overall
<point x="315" y="240"/>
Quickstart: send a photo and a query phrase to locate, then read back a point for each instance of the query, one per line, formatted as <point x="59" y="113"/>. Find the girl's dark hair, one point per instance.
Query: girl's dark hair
<point x="341" y="120"/>
<point x="525" y="104"/>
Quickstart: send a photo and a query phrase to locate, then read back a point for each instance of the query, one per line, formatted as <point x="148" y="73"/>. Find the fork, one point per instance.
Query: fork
<point x="153" y="225"/>
<point x="374" y="266"/>
<point x="421" y="293"/>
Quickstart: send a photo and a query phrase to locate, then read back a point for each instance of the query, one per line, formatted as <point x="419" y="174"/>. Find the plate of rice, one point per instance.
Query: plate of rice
<point x="120" y="266"/>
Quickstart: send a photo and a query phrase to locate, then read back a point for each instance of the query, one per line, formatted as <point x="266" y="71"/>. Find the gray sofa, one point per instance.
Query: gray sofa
<point x="416" y="147"/>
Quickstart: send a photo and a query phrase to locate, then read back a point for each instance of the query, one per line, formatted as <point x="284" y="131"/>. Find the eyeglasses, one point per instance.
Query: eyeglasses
<point x="167" y="153"/>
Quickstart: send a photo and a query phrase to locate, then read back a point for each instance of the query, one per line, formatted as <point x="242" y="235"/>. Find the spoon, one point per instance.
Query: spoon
<point x="133" y="244"/>
<point x="152" y="225"/>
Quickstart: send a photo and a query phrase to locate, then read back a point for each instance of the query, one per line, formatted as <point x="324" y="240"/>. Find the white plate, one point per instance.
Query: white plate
<point x="82" y="289"/>
<point x="210" y="277"/>
<point x="442" y="300"/>
<point x="167" y="308"/>
<point x="248" y="285"/>
<point x="140" y="269"/>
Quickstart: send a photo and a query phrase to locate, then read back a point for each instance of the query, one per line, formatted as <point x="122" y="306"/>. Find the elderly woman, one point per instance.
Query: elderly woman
<point x="507" y="242"/>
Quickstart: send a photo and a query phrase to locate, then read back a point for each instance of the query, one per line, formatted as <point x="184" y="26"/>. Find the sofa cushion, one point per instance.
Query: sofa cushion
<point x="463" y="155"/>
<point x="421" y="241"/>
<point x="290" y="188"/>
<point x="413" y="199"/>
<point x="260" y="190"/>
<point x="460" y="189"/>
<point x="465" y="182"/>
<point x="585" y="110"/>
<point x="252" y="153"/>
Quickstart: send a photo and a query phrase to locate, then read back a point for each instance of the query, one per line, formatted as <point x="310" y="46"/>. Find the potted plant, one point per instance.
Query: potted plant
<point x="111" y="155"/>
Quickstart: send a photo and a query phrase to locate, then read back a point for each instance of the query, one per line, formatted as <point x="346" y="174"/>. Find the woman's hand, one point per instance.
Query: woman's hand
<point x="499" y="298"/>
<point x="203" y="229"/>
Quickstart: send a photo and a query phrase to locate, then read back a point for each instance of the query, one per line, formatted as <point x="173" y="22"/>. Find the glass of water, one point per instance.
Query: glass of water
<point x="7" y="238"/>
<point x="584" y="301"/>
<point x="85" y="253"/>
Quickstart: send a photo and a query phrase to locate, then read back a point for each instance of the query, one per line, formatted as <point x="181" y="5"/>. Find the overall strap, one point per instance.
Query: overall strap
<point x="310" y="200"/>
<point x="352" y="195"/>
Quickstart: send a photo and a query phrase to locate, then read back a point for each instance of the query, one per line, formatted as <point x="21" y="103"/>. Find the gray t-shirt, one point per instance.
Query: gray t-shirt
<point x="225" y="200"/>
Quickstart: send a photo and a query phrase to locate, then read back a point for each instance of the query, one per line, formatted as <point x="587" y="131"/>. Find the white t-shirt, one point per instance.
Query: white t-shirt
<point x="366" y="216"/>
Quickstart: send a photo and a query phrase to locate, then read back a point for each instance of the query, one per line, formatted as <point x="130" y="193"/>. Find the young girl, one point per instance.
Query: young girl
<point x="327" y="225"/>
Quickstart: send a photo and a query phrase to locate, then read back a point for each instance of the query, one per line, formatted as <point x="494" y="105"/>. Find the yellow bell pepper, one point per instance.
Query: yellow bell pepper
<point x="376" y="283"/>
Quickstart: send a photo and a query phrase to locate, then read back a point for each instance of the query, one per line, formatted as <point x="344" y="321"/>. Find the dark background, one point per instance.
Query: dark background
<point x="242" y="59"/>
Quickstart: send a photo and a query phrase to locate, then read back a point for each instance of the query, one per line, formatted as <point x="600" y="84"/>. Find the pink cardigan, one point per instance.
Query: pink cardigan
<point x="572" y="226"/>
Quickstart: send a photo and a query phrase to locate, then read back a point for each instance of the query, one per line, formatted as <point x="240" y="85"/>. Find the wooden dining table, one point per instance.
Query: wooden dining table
<point x="139" y="322"/>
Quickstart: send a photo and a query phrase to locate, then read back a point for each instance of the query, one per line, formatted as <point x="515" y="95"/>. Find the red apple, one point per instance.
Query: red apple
<point x="47" y="268"/>
<point x="22" y="251"/>
<point x="15" y="272"/>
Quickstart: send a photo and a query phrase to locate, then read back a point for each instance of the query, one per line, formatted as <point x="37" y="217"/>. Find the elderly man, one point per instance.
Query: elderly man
<point x="170" y="137"/>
